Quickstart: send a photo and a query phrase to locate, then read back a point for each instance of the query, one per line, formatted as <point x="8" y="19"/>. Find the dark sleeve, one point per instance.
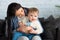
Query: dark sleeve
<point x="12" y="24"/>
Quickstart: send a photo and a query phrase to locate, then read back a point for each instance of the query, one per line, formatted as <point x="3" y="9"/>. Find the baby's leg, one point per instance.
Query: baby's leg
<point x="36" y="38"/>
<point x="23" y="38"/>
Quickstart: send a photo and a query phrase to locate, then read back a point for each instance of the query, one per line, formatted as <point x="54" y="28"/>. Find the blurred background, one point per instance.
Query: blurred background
<point x="46" y="7"/>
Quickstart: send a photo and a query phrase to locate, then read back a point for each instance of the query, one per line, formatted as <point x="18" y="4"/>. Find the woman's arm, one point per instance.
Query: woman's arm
<point x="23" y="28"/>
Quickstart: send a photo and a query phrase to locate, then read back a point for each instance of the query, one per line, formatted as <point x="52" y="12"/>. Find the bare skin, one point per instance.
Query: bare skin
<point x="26" y="29"/>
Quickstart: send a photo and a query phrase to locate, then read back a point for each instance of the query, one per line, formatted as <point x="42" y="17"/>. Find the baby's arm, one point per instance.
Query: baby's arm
<point x="21" y="26"/>
<point x="39" y="29"/>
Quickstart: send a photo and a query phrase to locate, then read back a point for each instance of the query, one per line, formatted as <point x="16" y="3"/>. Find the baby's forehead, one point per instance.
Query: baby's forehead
<point x="33" y="13"/>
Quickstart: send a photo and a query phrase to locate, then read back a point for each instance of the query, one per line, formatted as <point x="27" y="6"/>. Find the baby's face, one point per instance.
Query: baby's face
<point x="20" y="12"/>
<point x="33" y="16"/>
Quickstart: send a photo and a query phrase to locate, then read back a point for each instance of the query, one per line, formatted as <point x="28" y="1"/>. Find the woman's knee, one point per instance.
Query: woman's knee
<point x="23" y="38"/>
<point x="36" y="38"/>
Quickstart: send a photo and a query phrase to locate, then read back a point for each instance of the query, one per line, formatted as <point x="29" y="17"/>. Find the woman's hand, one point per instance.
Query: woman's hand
<point x="32" y="31"/>
<point x="23" y="29"/>
<point x="26" y="29"/>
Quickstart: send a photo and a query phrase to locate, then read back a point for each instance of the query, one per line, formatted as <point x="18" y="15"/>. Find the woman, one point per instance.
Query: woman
<point x="15" y="10"/>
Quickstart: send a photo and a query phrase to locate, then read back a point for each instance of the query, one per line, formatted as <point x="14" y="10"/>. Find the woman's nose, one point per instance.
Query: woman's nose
<point x="33" y="16"/>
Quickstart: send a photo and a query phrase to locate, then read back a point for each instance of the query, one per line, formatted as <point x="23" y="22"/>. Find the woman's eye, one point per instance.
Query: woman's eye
<point x="21" y="10"/>
<point x="31" y="15"/>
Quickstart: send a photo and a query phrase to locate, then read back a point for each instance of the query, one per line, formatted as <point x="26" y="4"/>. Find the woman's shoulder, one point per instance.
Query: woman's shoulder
<point x="14" y="18"/>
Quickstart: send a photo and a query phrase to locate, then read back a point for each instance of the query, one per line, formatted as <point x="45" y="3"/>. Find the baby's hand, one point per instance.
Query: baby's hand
<point x="21" y="24"/>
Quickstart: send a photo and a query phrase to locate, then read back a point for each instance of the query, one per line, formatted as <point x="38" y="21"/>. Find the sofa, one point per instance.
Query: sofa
<point x="50" y="25"/>
<point x="2" y="29"/>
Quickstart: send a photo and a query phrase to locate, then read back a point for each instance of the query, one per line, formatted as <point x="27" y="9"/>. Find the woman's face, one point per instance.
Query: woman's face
<point x="20" y="12"/>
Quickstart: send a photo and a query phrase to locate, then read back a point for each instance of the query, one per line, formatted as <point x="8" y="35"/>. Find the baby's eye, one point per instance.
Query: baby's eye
<point x="35" y="16"/>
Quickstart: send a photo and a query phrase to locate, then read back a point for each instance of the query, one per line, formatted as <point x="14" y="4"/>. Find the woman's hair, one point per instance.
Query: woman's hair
<point x="26" y="10"/>
<point x="12" y="9"/>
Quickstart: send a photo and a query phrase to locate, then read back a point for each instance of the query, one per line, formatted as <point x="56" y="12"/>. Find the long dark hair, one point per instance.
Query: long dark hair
<point x="12" y="9"/>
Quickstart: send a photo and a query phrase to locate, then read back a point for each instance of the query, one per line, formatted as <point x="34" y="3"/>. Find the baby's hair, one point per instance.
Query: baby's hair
<point x="33" y="9"/>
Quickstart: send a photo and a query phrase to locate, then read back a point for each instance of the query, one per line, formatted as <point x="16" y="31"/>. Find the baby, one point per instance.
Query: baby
<point x="31" y="23"/>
